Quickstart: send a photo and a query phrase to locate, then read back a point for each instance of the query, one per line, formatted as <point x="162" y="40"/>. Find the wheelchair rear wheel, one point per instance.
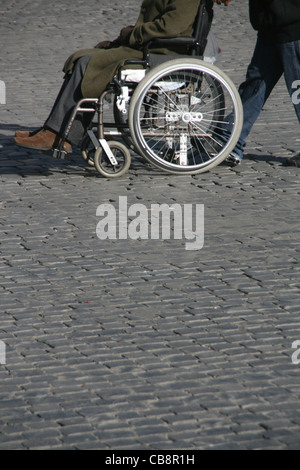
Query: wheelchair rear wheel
<point x="178" y="114"/>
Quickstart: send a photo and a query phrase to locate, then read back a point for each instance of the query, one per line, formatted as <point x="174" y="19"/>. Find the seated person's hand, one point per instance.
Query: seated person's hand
<point x="219" y="2"/>
<point x="122" y="39"/>
<point x="125" y="34"/>
<point x="103" y="45"/>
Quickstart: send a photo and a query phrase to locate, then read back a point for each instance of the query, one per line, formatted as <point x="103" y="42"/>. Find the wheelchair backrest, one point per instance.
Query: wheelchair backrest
<point x="202" y="27"/>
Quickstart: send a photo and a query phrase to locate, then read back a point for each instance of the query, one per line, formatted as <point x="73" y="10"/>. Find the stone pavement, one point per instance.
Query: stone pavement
<point x="125" y="344"/>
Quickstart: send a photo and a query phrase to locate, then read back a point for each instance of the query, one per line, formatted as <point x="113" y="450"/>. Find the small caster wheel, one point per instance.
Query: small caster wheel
<point x="88" y="150"/>
<point x="104" y="165"/>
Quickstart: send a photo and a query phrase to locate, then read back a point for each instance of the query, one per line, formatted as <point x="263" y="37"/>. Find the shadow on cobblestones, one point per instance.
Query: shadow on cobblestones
<point x="123" y="344"/>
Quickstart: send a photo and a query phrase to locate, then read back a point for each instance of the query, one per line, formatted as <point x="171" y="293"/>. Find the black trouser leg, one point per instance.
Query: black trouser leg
<point x="65" y="103"/>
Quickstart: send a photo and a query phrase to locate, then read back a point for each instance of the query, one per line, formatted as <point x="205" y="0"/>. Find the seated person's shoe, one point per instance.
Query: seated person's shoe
<point x="44" y="140"/>
<point x="293" y="161"/>
<point x="27" y="133"/>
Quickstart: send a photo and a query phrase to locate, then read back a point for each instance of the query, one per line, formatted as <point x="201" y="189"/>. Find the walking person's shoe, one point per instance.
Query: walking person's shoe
<point x="293" y="161"/>
<point x="43" y="140"/>
<point x="233" y="160"/>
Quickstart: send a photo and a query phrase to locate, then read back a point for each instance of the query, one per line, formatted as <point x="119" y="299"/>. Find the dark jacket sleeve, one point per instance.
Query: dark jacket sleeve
<point x="273" y="14"/>
<point x="176" y="20"/>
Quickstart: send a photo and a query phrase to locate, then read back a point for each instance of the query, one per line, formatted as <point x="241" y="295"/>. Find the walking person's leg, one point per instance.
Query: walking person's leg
<point x="263" y="74"/>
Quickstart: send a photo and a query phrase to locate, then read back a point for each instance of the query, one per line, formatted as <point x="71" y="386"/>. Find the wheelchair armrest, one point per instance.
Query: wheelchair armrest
<point x="165" y="42"/>
<point x="162" y="42"/>
<point x="179" y="41"/>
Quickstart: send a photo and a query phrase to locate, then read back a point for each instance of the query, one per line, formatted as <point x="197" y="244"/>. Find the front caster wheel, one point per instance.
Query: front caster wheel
<point x="103" y="164"/>
<point x="88" y="150"/>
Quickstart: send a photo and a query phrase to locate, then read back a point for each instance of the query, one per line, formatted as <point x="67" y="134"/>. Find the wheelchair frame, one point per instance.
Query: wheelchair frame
<point x="178" y="151"/>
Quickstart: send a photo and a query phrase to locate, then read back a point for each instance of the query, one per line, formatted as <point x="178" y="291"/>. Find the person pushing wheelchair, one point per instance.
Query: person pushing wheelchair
<point x="276" y="54"/>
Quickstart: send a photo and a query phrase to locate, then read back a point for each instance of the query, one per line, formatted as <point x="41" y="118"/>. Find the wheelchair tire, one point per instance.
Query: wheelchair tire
<point x="186" y="102"/>
<point x="105" y="167"/>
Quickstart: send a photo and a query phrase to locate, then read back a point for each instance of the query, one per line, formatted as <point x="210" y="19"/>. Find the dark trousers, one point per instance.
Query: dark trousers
<point x="68" y="97"/>
<point x="269" y="63"/>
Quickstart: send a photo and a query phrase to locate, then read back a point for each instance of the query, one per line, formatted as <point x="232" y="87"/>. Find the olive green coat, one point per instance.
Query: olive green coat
<point x="157" y="18"/>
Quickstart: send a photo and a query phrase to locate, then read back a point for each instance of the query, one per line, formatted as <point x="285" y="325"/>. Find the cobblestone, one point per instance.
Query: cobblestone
<point x="125" y="344"/>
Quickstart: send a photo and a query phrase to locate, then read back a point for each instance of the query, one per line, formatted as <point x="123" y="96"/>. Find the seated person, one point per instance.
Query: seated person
<point x="89" y="71"/>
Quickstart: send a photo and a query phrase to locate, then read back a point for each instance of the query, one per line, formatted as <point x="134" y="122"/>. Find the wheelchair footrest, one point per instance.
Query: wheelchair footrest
<point x="60" y="154"/>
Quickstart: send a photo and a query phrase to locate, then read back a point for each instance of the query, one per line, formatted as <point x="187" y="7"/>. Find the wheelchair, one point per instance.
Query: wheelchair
<point x="171" y="110"/>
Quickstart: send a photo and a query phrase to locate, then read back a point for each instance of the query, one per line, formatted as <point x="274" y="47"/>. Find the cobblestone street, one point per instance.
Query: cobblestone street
<point x="142" y="344"/>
